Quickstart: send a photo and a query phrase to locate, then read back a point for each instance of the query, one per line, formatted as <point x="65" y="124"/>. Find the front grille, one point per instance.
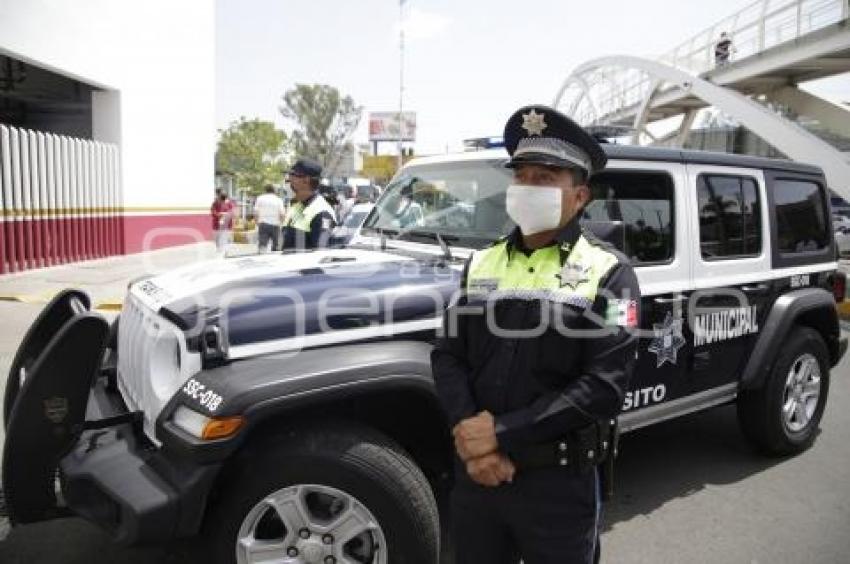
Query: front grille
<point x="153" y="362"/>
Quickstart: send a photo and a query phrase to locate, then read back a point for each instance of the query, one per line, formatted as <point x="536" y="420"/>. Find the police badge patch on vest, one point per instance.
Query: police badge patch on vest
<point x="573" y="274"/>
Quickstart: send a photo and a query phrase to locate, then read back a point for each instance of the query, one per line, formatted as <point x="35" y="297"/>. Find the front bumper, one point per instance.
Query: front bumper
<point x="64" y="418"/>
<point x="115" y="478"/>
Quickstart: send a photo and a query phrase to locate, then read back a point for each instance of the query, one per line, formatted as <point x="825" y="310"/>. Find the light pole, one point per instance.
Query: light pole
<point x="400" y="76"/>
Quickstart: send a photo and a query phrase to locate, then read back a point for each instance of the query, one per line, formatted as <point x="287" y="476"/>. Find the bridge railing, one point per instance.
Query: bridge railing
<point x="756" y="27"/>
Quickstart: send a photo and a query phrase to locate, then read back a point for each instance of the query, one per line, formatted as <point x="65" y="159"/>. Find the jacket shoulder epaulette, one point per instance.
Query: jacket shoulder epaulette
<point x="607" y="246"/>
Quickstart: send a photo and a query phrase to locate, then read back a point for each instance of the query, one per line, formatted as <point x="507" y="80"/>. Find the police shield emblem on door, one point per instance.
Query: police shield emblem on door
<point x="668" y="340"/>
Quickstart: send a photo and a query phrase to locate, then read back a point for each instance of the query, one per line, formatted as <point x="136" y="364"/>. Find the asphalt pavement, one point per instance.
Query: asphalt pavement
<point x="688" y="490"/>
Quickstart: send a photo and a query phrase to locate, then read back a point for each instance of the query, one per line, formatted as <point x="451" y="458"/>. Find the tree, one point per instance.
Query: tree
<point x="253" y="151"/>
<point x="324" y="121"/>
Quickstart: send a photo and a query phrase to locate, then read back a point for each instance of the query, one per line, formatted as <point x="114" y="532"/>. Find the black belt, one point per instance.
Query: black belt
<point x="581" y="449"/>
<point x="544" y="455"/>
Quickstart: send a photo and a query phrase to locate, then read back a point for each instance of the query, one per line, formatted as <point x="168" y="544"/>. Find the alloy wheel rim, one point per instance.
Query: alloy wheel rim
<point x="802" y="393"/>
<point x="310" y="524"/>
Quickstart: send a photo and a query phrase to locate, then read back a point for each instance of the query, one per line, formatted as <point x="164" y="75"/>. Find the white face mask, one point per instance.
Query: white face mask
<point x="534" y="208"/>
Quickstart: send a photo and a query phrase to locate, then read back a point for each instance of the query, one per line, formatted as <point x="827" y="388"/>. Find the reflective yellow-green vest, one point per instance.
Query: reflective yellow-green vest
<point x="496" y="273"/>
<point x="300" y="217"/>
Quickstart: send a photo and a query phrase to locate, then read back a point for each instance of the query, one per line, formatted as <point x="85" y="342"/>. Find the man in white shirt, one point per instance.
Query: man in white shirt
<point x="346" y="203"/>
<point x="268" y="212"/>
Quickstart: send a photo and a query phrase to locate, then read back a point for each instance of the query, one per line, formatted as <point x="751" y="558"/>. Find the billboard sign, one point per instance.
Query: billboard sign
<point x="384" y="126"/>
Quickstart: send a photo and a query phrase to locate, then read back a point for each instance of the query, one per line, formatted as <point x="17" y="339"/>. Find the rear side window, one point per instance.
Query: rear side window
<point x="801" y="219"/>
<point x="729" y="216"/>
<point x="642" y="202"/>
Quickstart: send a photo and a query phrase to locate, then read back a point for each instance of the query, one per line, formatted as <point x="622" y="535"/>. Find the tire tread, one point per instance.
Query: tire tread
<point x="757" y="408"/>
<point x="361" y="450"/>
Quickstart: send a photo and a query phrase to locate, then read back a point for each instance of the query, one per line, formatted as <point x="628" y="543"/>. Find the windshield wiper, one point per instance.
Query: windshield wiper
<point x="382" y="234"/>
<point x="436" y="236"/>
<point x="444" y="246"/>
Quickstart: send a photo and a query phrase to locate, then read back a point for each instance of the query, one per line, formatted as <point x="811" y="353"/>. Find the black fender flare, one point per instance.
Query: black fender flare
<point x="265" y="387"/>
<point x="814" y="307"/>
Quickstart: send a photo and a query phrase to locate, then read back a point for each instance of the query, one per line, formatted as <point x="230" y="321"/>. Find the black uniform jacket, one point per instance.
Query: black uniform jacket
<point x="318" y="236"/>
<point x="539" y="388"/>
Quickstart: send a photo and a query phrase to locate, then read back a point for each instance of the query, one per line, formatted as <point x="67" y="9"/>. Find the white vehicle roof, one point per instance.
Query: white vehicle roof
<point x="482" y="155"/>
<point x="358" y="181"/>
<point x="634" y="152"/>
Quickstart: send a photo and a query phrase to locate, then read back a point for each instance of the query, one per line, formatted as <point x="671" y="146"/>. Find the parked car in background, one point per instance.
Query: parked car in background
<point x="840" y="222"/>
<point x="842" y="242"/>
<point x="343" y="233"/>
<point x="841" y="228"/>
<point x="368" y="192"/>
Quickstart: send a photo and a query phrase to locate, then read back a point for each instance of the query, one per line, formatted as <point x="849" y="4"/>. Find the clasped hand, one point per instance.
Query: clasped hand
<point x="476" y="444"/>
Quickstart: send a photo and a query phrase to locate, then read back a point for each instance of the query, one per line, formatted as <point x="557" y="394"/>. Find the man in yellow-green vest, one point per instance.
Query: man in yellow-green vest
<point x="535" y="358"/>
<point x="310" y="219"/>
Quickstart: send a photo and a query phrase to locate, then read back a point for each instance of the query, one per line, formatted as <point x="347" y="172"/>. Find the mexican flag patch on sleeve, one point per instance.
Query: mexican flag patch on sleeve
<point x="622" y="313"/>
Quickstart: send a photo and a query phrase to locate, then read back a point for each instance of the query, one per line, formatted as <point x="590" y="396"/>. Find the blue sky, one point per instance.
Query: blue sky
<point x="468" y="65"/>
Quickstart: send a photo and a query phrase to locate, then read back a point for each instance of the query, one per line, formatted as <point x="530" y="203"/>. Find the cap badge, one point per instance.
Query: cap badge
<point x="533" y="123"/>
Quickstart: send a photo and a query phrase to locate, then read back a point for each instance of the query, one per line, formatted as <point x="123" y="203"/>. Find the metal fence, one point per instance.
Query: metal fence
<point x="60" y="199"/>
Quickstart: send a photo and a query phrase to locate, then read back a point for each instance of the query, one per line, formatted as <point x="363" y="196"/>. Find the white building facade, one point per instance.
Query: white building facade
<point x="126" y="91"/>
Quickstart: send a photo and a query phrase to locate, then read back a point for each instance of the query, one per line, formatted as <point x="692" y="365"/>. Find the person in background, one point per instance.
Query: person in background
<point x="346" y="203"/>
<point x="331" y="196"/>
<point x="310" y="218"/>
<point x="723" y="49"/>
<point x="222" y="211"/>
<point x="269" y="212"/>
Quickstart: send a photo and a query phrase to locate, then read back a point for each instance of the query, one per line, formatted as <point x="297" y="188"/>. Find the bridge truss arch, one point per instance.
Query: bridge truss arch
<point x="621" y="88"/>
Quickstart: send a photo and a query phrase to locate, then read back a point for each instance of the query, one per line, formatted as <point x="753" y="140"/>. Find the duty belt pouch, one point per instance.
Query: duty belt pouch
<point x="607" y="468"/>
<point x="584" y="448"/>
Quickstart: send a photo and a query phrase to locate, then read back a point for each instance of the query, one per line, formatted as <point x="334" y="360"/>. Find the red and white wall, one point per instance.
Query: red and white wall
<point x="145" y="180"/>
<point x="60" y="199"/>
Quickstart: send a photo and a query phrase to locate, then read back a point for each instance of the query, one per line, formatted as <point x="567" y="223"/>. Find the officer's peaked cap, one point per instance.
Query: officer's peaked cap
<point x="542" y="135"/>
<point x="306" y="167"/>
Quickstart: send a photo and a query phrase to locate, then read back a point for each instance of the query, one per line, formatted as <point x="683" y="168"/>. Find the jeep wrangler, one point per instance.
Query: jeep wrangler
<point x="281" y="407"/>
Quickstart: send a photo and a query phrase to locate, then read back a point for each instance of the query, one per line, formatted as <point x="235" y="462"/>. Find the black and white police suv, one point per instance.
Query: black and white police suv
<point x="281" y="407"/>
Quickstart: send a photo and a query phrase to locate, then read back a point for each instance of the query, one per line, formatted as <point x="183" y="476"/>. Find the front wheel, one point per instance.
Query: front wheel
<point x="325" y="496"/>
<point x="782" y="417"/>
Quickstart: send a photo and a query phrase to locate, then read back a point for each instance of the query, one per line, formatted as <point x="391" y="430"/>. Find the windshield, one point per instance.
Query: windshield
<point x="463" y="201"/>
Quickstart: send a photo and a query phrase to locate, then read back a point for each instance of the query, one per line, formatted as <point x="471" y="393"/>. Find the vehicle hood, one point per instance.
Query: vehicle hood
<point x="277" y="299"/>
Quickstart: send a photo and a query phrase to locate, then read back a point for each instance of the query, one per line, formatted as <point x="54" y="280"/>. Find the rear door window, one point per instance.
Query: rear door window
<point x="729" y="216"/>
<point x="801" y="216"/>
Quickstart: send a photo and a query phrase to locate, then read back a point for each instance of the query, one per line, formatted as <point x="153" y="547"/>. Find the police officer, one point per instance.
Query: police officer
<point x="310" y="219"/>
<point x="535" y="359"/>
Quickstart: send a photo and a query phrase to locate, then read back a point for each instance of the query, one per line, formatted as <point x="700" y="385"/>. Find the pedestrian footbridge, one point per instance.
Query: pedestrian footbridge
<point x="777" y="44"/>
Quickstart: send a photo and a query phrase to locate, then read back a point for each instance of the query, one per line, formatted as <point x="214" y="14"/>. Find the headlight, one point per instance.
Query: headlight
<point x="207" y="428"/>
